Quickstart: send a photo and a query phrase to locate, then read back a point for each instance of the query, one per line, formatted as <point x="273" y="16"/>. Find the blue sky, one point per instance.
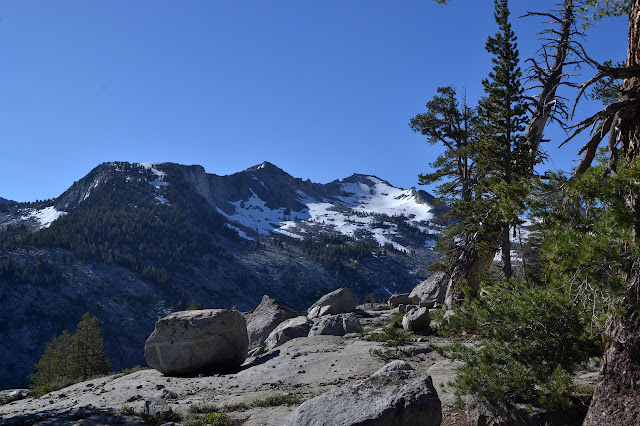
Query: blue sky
<point x="323" y="89"/>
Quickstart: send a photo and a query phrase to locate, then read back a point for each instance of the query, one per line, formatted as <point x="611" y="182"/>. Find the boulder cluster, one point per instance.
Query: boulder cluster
<point x="210" y="341"/>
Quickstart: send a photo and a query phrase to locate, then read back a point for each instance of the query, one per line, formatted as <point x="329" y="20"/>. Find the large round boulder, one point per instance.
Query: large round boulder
<point x="340" y="301"/>
<point x="266" y="317"/>
<point x="200" y="341"/>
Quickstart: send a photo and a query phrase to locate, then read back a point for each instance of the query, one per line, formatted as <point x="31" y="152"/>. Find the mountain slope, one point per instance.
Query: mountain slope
<point x="132" y="242"/>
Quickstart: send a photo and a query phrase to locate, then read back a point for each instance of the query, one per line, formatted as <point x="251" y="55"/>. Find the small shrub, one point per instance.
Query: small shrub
<point x="126" y="409"/>
<point x="161" y="418"/>
<point x="203" y="408"/>
<point x="214" y="419"/>
<point x="390" y="336"/>
<point x="240" y="406"/>
<point x="132" y="370"/>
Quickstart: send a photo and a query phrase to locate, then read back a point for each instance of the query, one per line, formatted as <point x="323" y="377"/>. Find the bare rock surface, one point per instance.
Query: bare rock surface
<point x="430" y="291"/>
<point x="335" y="325"/>
<point x="290" y="329"/>
<point x="265" y="318"/>
<point x="340" y="301"/>
<point x="307" y="366"/>
<point x="199" y="341"/>
<point x="390" y="397"/>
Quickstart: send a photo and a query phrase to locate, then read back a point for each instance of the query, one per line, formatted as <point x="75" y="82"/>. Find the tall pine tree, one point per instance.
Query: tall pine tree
<point x="450" y="124"/>
<point x="503" y="159"/>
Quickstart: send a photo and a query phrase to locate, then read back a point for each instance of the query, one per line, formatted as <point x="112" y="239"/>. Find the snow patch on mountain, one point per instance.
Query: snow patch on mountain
<point x="254" y="214"/>
<point x="152" y="167"/>
<point x="382" y="198"/>
<point x="362" y="208"/>
<point x="240" y="232"/>
<point x="44" y="217"/>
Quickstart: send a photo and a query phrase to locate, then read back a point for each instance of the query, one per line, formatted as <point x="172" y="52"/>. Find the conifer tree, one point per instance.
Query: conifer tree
<point x="450" y="124"/>
<point x="53" y="370"/>
<point x="70" y="358"/>
<point x="89" y="358"/>
<point x="503" y="159"/>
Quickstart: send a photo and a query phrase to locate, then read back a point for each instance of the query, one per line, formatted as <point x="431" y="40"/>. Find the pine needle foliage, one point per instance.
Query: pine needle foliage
<point x="503" y="159"/>
<point x="71" y="358"/>
<point x="533" y="339"/>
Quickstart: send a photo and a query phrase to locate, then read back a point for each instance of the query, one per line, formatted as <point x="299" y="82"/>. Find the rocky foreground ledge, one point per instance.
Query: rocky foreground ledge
<point x="266" y="390"/>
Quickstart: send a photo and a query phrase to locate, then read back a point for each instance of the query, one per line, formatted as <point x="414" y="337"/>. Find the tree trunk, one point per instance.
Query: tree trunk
<point x="469" y="265"/>
<point x="506" y="252"/>
<point x="616" y="400"/>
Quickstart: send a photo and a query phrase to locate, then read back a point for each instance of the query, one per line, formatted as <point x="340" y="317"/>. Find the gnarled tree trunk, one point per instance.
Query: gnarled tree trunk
<point x="616" y="400"/>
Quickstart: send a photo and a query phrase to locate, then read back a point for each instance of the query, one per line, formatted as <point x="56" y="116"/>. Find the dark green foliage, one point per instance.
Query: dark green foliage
<point x="54" y="369"/>
<point x="593" y="11"/>
<point x="213" y="419"/>
<point x="533" y="340"/>
<point x="89" y="358"/>
<point x="449" y="124"/>
<point x="504" y="161"/>
<point x="71" y="358"/>
<point x="123" y="223"/>
<point x="333" y="251"/>
<point x="588" y="245"/>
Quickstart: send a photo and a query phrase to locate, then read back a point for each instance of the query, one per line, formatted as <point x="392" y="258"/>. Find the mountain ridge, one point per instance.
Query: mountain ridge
<point x="132" y="242"/>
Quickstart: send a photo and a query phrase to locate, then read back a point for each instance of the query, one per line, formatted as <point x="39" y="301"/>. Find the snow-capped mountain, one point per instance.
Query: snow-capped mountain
<point x="264" y="200"/>
<point x="132" y="242"/>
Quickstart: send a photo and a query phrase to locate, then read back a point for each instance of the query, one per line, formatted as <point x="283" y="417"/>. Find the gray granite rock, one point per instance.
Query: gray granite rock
<point x="340" y="301"/>
<point x="287" y="330"/>
<point x="387" y="398"/>
<point x="265" y="318"/>
<point x="431" y="291"/>
<point x="335" y="325"/>
<point x="200" y="341"/>
<point x="417" y="320"/>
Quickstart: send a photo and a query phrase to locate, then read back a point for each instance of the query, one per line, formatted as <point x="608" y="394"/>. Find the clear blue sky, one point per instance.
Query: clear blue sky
<point x="322" y="89"/>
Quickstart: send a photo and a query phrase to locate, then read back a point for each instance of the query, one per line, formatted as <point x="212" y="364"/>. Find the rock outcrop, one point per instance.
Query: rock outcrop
<point x="390" y="397"/>
<point x="289" y="329"/>
<point x="431" y="291"/>
<point x="335" y="325"/>
<point x="265" y="318"/>
<point x="340" y="301"/>
<point x="416" y="320"/>
<point x="400" y="299"/>
<point x="200" y="341"/>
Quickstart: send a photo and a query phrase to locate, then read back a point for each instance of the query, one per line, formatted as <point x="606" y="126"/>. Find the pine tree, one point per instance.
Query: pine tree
<point x="450" y="124"/>
<point x="71" y="358"/>
<point x="53" y="370"/>
<point x="502" y="157"/>
<point x="88" y="353"/>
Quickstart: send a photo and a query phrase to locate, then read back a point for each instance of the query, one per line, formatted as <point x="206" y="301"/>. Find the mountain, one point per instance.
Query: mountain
<point x="132" y="242"/>
<point x="5" y="201"/>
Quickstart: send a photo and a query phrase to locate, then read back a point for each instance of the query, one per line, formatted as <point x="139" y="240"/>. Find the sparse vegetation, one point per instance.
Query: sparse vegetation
<point x="213" y="419"/>
<point x="276" y="400"/>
